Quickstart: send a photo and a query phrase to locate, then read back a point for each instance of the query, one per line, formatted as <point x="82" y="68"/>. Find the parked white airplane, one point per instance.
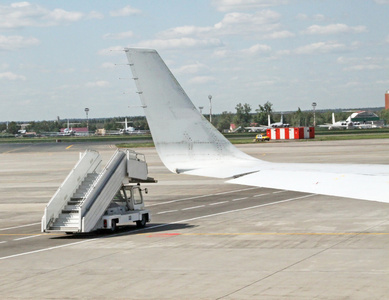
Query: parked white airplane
<point x="347" y="124"/>
<point x="279" y="124"/>
<point x="68" y="130"/>
<point x="188" y="144"/>
<point x="270" y="125"/>
<point x="127" y="129"/>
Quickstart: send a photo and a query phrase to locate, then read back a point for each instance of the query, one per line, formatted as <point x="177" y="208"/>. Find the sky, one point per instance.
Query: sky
<point x="59" y="57"/>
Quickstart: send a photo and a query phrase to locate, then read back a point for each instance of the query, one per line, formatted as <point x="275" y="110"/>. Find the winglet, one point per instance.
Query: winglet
<point x="184" y="139"/>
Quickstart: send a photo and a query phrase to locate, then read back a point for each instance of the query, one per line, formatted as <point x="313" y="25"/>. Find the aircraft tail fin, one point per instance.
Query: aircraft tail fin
<point x="333" y="118"/>
<point x="184" y="139"/>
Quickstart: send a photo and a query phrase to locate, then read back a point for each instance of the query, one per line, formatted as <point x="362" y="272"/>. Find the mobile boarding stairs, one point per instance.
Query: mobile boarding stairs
<point x="90" y="192"/>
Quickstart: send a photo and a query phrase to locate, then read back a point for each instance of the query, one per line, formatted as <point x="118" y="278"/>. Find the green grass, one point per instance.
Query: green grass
<point x="136" y="141"/>
<point x="135" y="145"/>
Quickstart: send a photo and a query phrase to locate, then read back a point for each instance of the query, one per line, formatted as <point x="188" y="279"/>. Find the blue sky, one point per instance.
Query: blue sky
<point x="56" y="58"/>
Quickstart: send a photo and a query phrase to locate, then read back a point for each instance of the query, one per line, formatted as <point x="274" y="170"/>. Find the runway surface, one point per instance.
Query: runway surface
<point x="207" y="239"/>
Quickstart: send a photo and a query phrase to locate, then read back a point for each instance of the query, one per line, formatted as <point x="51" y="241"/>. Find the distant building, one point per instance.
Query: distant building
<point x="387" y="100"/>
<point x="365" y="118"/>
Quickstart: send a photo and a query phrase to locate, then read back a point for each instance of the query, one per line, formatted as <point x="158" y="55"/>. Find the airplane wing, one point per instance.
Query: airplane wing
<point x="188" y="144"/>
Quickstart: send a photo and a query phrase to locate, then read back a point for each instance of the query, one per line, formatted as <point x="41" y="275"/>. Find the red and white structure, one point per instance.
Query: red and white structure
<point x="291" y="133"/>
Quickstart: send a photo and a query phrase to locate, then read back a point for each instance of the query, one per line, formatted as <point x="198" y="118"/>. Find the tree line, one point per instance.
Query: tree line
<point x="244" y="116"/>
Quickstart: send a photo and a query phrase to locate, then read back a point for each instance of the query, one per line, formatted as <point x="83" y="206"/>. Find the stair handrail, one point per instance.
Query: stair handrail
<point x="97" y="187"/>
<point x="88" y="162"/>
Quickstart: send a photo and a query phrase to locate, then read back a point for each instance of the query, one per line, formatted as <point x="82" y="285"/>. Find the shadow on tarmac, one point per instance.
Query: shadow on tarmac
<point x="159" y="228"/>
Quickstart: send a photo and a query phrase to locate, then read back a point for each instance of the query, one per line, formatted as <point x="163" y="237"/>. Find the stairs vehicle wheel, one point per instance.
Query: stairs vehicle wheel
<point x="142" y="223"/>
<point x="113" y="226"/>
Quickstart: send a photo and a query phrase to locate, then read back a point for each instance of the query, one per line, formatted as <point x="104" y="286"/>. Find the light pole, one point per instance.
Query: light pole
<point x="210" y="108"/>
<point x="87" y="120"/>
<point x="314" y="113"/>
<point x="201" y="109"/>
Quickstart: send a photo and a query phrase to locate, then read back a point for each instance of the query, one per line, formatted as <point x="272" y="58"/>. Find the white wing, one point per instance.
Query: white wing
<point x="187" y="143"/>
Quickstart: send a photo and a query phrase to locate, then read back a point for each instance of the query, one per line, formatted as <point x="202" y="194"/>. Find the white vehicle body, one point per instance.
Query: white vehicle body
<point x="126" y="208"/>
<point x="188" y="144"/>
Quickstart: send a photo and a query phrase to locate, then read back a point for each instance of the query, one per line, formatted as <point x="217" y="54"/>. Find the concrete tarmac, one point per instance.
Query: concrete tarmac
<point x="207" y="239"/>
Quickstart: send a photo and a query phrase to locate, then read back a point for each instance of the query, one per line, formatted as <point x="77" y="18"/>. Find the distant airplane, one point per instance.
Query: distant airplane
<point x="68" y="131"/>
<point x="130" y="130"/>
<point x="22" y="132"/>
<point x="188" y="144"/>
<point x="270" y="125"/>
<point x="127" y="129"/>
<point x="347" y="124"/>
<point x="280" y="124"/>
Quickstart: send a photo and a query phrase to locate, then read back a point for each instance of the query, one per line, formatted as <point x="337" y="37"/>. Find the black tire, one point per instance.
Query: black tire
<point x="113" y="225"/>
<point x="142" y="223"/>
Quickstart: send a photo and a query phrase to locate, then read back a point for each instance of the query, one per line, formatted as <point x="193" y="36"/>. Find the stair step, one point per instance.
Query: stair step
<point x="70" y="211"/>
<point x="68" y="217"/>
<point x="71" y="207"/>
<point x="63" y="229"/>
<point x="75" y="202"/>
<point x="66" y="222"/>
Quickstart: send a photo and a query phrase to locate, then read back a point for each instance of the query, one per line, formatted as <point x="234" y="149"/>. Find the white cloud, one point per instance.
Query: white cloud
<point x="100" y="83"/>
<point x="125" y="11"/>
<point x="263" y="24"/>
<point x="221" y="53"/>
<point x="16" y="42"/>
<point x="60" y="15"/>
<point x="361" y="64"/>
<point x="320" y="47"/>
<point x="11" y="76"/>
<point x="363" y="67"/>
<point x="317" y="17"/>
<point x="190" y="69"/>
<point x="253" y="50"/>
<point x="184" y="31"/>
<point x="24" y="14"/>
<point x="114" y="50"/>
<point x="108" y="65"/>
<point x="386" y="82"/>
<point x="256" y="49"/>
<point x="95" y="15"/>
<point x="181" y="43"/>
<point x="279" y="35"/>
<point x="67" y="70"/>
<point x="229" y="5"/>
<point x="334" y="29"/>
<point x="201" y="79"/>
<point x="233" y="24"/>
<point x="242" y="23"/>
<point x="119" y="36"/>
